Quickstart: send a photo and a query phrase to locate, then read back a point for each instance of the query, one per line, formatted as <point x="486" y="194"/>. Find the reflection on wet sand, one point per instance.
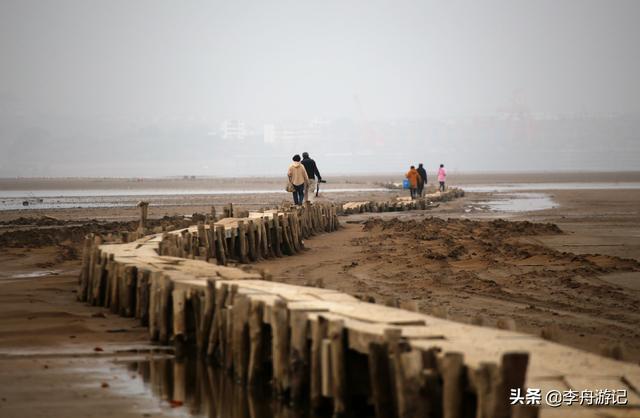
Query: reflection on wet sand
<point x="203" y="390"/>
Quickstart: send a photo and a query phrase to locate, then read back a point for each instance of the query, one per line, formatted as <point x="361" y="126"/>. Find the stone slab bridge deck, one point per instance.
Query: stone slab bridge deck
<point x="327" y="347"/>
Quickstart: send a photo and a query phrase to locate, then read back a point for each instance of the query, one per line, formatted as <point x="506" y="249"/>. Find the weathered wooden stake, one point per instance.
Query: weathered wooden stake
<point x="319" y="329"/>
<point x="179" y="320"/>
<point x="251" y="235"/>
<point x="240" y="337"/>
<point x="144" y="209"/>
<point x="280" y="346"/>
<point x="256" y="355"/>
<point x="242" y="237"/>
<point x="381" y="380"/>
<point x="452" y="376"/>
<point x="338" y="367"/>
<point x="299" y="360"/>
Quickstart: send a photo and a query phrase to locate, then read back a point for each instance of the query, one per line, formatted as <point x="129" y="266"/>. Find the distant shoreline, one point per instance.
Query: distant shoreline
<point x="334" y="180"/>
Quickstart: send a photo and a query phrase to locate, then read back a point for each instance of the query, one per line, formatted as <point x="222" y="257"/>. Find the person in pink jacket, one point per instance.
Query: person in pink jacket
<point x="442" y="177"/>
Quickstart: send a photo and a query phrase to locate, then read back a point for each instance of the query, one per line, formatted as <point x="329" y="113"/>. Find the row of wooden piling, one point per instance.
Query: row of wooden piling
<point x="257" y="236"/>
<point x="401" y="204"/>
<point x="307" y="353"/>
<point x="297" y="340"/>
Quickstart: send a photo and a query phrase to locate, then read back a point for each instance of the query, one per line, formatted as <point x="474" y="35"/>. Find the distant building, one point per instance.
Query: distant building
<point x="269" y="132"/>
<point x="291" y="132"/>
<point x="233" y="130"/>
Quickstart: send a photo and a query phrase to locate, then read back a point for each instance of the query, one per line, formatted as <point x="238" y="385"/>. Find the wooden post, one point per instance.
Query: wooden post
<point x="154" y="304"/>
<point x="410" y="384"/>
<point x="338" y="367"/>
<point x="215" y="336"/>
<point x="227" y="341"/>
<point x="220" y="246"/>
<point x="211" y="239"/>
<point x="115" y="292"/>
<point x="381" y="380"/>
<point x="319" y="329"/>
<point x="166" y="286"/>
<point x="179" y="321"/>
<point x="286" y="234"/>
<point x="94" y="273"/>
<point x="207" y="320"/>
<point x="101" y="284"/>
<point x="277" y="234"/>
<point x="231" y="248"/>
<point x="196" y="313"/>
<point x="179" y="381"/>
<point x="84" y="272"/>
<point x="251" y="234"/>
<point x="452" y="376"/>
<point x="256" y="356"/>
<point x="486" y="376"/>
<point x="513" y="370"/>
<point x="295" y="243"/>
<point x="131" y="284"/>
<point x="257" y="234"/>
<point x="202" y="239"/>
<point x="240" y="337"/>
<point x="142" y="297"/>
<point x="299" y="356"/>
<point x="267" y="249"/>
<point x="280" y="346"/>
<point x="242" y="237"/>
<point x="144" y="209"/>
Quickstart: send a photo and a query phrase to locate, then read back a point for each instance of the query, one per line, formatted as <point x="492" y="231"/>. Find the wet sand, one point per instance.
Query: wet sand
<point x="535" y="281"/>
<point x="48" y="340"/>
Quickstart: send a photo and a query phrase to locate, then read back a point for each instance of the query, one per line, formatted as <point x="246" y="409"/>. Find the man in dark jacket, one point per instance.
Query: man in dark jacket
<point x="422" y="181"/>
<point x="312" y="172"/>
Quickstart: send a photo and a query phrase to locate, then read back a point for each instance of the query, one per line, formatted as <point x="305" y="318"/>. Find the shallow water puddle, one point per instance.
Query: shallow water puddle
<point x="515" y="187"/>
<point x="520" y="202"/>
<point x="31" y="274"/>
<point x="193" y="387"/>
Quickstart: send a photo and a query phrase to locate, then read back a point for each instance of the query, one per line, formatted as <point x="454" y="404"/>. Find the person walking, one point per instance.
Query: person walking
<point x="312" y="171"/>
<point x="423" y="180"/>
<point x="298" y="179"/>
<point x="442" y="177"/>
<point x="413" y="177"/>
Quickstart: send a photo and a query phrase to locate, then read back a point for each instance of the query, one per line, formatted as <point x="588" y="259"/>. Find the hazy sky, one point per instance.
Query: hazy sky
<point x="137" y="62"/>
